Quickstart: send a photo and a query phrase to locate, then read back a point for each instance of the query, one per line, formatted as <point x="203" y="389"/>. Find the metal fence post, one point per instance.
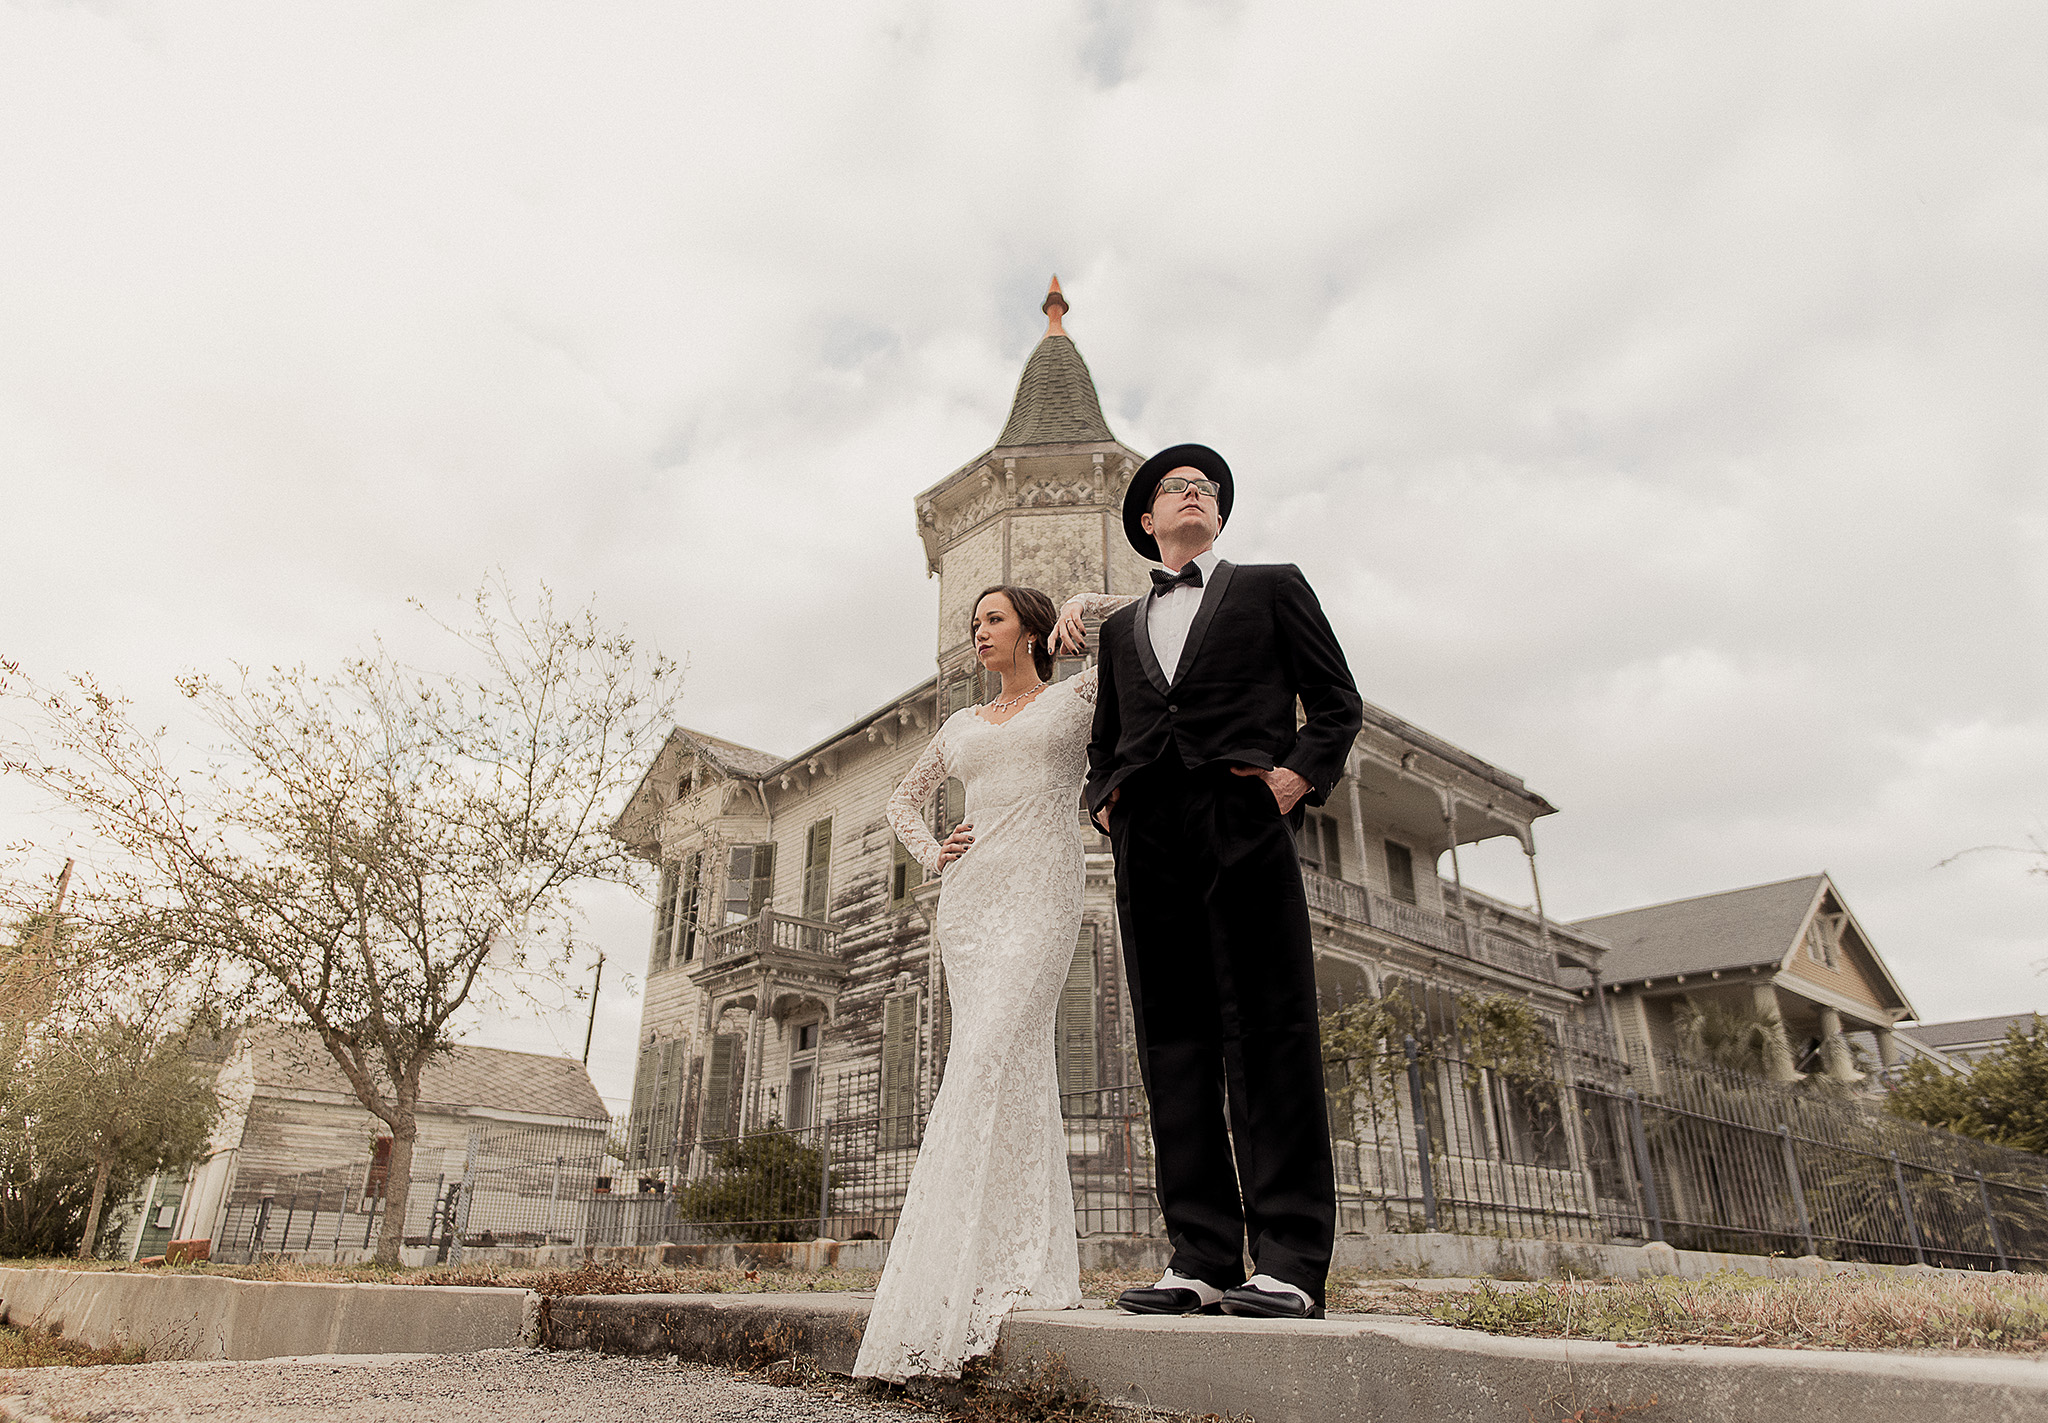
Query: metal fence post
<point x="1421" y="1131"/>
<point x="1798" y="1191"/>
<point x="1991" y="1221"/>
<point x="466" y="1191"/>
<point x="824" y="1176"/>
<point x="1642" y="1145"/>
<point x="1906" y="1205"/>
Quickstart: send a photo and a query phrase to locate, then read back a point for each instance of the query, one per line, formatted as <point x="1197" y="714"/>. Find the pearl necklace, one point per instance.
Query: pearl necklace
<point x="1007" y="702"/>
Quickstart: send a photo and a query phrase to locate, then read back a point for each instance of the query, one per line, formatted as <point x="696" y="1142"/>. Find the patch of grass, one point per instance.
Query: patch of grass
<point x="2005" y="1313"/>
<point x="35" y="1349"/>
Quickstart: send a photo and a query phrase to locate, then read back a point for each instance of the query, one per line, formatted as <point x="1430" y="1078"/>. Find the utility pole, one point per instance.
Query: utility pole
<point x="28" y="995"/>
<point x="57" y="909"/>
<point x="596" y="984"/>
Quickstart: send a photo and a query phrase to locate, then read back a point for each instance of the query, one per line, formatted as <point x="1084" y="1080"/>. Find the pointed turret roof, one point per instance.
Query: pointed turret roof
<point x="1056" y="402"/>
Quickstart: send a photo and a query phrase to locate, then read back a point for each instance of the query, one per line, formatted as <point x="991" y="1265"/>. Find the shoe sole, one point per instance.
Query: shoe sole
<point x="1216" y="1308"/>
<point x="1253" y="1311"/>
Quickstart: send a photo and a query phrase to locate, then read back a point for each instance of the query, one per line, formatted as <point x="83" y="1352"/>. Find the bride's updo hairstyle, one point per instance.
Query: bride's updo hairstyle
<point x="1037" y="615"/>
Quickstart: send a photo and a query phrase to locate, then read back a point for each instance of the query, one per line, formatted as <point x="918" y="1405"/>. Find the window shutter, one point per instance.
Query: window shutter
<point x="664" y="921"/>
<point x="905" y="875"/>
<point x="646" y="1082"/>
<point x="1333" y="847"/>
<point x="899" y="1070"/>
<point x="1075" y="1038"/>
<point x="721" y="1091"/>
<point x="959" y="693"/>
<point x="764" y="879"/>
<point x="687" y="910"/>
<point x="1400" y="872"/>
<point x="667" y="1099"/>
<point x="818" y="870"/>
<point x="952" y="808"/>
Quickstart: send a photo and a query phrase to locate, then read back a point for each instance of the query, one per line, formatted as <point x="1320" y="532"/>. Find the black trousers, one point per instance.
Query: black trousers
<point x="1216" y="950"/>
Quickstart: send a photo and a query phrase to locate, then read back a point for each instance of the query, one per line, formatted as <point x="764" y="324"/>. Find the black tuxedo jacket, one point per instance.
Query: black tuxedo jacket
<point x="1259" y="641"/>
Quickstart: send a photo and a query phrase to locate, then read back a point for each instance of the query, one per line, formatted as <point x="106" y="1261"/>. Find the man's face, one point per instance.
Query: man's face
<point x="1178" y="516"/>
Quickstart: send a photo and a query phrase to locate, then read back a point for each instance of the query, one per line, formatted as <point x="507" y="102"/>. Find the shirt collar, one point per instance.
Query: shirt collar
<point x="1206" y="560"/>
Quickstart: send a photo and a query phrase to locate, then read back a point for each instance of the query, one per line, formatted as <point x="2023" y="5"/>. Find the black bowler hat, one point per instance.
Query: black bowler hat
<point x="1138" y="498"/>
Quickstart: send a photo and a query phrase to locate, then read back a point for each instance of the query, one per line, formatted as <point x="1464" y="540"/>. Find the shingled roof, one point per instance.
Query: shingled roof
<point x="1056" y="402"/>
<point x="1969" y="1032"/>
<point x="1733" y="929"/>
<point x="463" y="1078"/>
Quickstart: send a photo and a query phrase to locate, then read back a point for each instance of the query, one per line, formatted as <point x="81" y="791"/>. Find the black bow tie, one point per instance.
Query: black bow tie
<point x="1190" y="576"/>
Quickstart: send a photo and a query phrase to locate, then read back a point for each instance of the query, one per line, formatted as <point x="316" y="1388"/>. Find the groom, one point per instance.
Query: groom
<point x="1198" y="772"/>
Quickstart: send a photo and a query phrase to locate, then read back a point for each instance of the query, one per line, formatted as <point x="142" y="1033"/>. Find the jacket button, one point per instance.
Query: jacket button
<point x="1172" y="708"/>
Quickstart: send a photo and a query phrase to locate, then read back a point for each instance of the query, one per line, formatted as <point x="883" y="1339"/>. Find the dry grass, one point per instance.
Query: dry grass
<point x="2004" y="1313"/>
<point x="34" y="1349"/>
<point x="586" y="1278"/>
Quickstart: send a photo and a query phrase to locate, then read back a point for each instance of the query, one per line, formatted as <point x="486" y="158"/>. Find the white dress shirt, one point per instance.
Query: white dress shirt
<point x="1173" y="612"/>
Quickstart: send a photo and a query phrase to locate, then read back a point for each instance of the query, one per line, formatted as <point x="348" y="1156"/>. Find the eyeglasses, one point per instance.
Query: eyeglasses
<point x="1174" y="484"/>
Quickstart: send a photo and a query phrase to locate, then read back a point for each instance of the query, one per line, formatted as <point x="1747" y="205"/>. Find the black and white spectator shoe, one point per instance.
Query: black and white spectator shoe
<point x="1263" y="1297"/>
<point x="1174" y="1294"/>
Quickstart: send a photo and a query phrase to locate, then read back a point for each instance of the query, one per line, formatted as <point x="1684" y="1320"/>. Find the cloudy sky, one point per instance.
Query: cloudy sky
<point x="1655" y="394"/>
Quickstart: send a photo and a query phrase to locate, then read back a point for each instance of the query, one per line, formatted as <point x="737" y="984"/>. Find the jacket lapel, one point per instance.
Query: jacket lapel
<point x="1212" y="595"/>
<point x="1141" y="631"/>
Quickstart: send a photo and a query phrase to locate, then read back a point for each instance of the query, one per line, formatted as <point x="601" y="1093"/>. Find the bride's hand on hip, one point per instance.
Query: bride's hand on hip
<point x="957" y="844"/>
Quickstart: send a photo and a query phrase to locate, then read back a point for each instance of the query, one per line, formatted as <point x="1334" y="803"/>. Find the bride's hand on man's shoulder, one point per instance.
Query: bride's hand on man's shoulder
<point x="1070" y="634"/>
<point x="956" y="845"/>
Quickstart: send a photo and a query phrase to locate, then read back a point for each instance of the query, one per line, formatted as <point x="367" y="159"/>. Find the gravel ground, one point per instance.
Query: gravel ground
<point x="495" y="1386"/>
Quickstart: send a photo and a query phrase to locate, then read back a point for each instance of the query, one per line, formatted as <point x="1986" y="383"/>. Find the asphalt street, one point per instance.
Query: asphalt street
<point x="490" y="1387"/>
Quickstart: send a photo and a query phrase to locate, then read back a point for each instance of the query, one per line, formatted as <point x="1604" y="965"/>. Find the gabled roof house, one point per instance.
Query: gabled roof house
<point x="1792" y="948"/>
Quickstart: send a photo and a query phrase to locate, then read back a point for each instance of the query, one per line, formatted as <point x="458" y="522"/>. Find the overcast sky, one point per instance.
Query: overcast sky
<point x="1653" y="393"/>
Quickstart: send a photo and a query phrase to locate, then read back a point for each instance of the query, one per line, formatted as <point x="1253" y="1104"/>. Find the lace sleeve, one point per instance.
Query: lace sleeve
<point x="906" y="806"/>
<point x="1099" y="605"/>
<point x="1083" y="683"/>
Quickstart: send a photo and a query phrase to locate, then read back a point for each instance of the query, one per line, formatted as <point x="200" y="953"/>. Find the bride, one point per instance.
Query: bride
<point x="988" y="1220"/>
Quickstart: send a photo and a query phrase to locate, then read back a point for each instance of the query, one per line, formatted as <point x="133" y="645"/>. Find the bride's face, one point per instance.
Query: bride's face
<point x="997" y="633"/>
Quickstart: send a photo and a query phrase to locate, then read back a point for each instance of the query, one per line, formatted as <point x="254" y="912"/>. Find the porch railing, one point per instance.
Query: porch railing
<point x="1344" y="900"/>
<point x="770" y="932"/>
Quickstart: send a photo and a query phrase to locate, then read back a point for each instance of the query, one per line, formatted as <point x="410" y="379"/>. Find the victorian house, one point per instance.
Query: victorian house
<point x="792" y="972"/>
<point x="1790" y="951"/>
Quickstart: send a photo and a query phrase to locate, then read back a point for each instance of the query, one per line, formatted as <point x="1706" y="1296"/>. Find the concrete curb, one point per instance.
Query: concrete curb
<point x="173" y="1316"/>
<point x="741" y="1331"/>
<point x="1352" y="1369"/>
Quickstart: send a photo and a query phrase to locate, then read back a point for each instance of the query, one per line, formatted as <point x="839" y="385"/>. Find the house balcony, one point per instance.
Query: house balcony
<point x="1355" y="904"/>
<point x="781" y="942"/>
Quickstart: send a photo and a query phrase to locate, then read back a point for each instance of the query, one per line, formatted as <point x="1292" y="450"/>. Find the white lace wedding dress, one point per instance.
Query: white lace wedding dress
<point x="988" y="1222"/>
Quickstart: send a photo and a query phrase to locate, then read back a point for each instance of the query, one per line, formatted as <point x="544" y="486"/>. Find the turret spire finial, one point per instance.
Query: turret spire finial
<point x="1054" y="306"/>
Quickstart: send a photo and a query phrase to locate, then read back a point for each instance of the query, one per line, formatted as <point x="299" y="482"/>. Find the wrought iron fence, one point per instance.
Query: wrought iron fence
<point x="1431" y="1133"/>
<point x="1728" y="1162"/>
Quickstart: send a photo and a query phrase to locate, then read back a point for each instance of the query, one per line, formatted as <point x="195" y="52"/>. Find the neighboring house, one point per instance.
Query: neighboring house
<point x="792" y="974"/>
<point x="1967" y="1039"/>
<point x="287" y="1109"/>
<point x="1792" y="948"/>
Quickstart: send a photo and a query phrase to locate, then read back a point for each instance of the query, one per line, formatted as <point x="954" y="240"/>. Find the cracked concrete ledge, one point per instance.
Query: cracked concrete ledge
<point x="1355" y="1368"/>
<point x="210" y="1317"/>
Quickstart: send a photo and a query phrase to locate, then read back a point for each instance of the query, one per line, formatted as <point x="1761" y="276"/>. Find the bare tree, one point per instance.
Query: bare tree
<point x="363" y="853"/>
